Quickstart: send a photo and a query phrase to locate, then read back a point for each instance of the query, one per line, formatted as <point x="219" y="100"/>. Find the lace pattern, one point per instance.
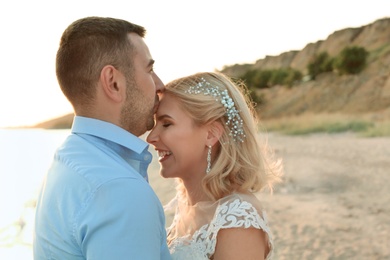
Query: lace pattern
<point x="234" y="213"/>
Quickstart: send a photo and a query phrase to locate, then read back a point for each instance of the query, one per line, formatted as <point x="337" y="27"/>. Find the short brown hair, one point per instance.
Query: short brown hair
<point x="86" y="46"/>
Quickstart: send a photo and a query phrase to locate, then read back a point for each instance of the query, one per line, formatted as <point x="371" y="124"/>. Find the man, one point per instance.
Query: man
<point x="95" y="202"/>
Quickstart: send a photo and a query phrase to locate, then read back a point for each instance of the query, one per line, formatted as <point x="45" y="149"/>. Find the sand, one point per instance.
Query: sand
<point x="334" y="202"/>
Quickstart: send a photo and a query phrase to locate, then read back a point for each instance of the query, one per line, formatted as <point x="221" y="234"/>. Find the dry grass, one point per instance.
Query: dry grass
<point x="369" y="125"/>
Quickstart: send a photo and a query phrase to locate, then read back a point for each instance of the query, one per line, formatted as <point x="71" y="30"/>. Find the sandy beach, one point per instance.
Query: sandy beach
<point x="334" y="202"/>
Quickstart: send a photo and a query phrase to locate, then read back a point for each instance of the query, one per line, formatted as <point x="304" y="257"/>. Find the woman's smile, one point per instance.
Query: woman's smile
<point x="163" y="155"/>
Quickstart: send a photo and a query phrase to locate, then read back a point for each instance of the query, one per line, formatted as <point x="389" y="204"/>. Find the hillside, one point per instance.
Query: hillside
<point x="373" y="37"/>
<point x="364" y="93"/>
<point x="62" y="122"/>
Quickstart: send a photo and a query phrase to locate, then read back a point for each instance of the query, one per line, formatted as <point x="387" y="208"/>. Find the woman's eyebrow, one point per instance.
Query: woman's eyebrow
<point x="161" y="117"/>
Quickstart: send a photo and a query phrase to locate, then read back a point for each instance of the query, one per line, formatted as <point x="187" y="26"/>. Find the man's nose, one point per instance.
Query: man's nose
<point x="159" y="84"/>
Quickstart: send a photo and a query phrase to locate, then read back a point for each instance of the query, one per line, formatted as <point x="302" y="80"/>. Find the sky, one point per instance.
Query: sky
<point x="184" y="37"/>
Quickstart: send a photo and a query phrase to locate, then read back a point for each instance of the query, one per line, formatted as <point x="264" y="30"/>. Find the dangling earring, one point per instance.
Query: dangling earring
<point x="208" y="160"/>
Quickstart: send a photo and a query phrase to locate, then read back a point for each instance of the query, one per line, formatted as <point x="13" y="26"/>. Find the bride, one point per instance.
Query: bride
<point x="206" y="137"/>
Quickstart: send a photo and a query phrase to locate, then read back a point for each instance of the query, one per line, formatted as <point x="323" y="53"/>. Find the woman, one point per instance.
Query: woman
<point x="206" y="137"/>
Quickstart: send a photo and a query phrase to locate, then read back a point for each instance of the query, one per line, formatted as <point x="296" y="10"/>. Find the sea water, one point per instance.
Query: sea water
<point x="25" y="155"/>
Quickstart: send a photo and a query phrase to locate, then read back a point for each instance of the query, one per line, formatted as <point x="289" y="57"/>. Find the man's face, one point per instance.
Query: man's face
<point x="142" y="100"/>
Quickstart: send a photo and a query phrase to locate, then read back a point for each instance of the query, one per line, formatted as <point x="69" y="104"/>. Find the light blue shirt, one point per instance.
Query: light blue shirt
<point x="95" y="202"/>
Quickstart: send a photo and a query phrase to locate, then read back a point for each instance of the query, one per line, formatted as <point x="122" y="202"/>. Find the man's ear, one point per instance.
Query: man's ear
<point x="215" y="131"/>
<point x="113" y="83"/>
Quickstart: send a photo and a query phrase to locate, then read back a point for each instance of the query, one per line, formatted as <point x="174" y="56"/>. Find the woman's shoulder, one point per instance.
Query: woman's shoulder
<point x="241" y="210"/>
<point x="242" y="199"/>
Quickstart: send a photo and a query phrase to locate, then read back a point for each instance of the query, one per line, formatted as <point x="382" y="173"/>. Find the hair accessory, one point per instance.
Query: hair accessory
<point x="208" y="160"/>
<point x="234" y="120"/>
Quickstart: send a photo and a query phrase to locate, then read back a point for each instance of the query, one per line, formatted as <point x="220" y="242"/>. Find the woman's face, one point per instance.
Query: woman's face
<point x="181" y="145"/>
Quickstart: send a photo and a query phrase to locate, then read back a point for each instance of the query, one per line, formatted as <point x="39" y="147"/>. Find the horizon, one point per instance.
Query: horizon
<point x="214" y="35"/>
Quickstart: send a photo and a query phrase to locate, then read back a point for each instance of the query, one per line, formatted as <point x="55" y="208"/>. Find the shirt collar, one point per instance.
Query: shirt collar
<point x="108" y="131"/>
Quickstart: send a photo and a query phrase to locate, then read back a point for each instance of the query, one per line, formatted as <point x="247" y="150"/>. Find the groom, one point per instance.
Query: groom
<point x="95" y="202"/>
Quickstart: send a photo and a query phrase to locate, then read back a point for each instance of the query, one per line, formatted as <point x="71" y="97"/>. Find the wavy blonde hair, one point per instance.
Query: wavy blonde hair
<point x="246" y="166"/>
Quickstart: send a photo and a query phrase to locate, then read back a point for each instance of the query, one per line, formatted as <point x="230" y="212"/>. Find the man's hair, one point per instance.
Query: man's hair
<point x="86" y="46"/>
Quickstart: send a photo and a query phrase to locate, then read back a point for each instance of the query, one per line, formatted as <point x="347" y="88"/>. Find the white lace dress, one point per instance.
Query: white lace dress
<point x="194" y="230"/>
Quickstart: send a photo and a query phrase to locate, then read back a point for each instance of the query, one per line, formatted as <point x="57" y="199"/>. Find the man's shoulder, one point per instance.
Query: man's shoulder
<point x="93" y="161"/>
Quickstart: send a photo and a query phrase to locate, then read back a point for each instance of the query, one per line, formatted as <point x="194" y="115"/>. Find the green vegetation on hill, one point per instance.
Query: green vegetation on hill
<point x="351" y="60"/>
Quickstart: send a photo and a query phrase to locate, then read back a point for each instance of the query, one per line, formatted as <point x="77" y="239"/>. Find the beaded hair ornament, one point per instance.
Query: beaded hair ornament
<point x="234" y="121"/>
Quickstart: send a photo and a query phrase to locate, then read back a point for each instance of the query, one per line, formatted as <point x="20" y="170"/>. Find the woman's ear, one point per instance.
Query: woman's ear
<point x="215" y="131"/>
<point x="113" y="83"/>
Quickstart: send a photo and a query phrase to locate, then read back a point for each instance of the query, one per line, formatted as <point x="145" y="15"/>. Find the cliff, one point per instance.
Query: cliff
<point x="366" y="92"/>
<point x="372" y="37"/>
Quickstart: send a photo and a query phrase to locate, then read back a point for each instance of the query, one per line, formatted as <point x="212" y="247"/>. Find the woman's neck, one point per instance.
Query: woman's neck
<point x="194" y="193"/>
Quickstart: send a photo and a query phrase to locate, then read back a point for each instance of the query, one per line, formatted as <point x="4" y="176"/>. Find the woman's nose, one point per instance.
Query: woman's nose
<point x="152" y="137"/>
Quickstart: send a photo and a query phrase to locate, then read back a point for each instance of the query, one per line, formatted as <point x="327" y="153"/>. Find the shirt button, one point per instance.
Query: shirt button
<point x="147" y="157"/>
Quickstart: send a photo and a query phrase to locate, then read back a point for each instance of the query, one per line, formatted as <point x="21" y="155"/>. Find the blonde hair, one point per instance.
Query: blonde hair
<point x="237" y="166"/>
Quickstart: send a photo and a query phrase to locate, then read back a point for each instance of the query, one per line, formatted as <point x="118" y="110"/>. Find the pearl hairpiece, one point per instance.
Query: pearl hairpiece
<point x="234" y="120"/>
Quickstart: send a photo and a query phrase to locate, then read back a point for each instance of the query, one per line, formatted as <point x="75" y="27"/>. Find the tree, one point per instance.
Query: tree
<point x="351" y="60"/>
<point x="319" y="64"/>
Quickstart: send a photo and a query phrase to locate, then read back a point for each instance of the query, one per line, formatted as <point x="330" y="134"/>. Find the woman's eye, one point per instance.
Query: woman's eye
<point x="166" y="124"/>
